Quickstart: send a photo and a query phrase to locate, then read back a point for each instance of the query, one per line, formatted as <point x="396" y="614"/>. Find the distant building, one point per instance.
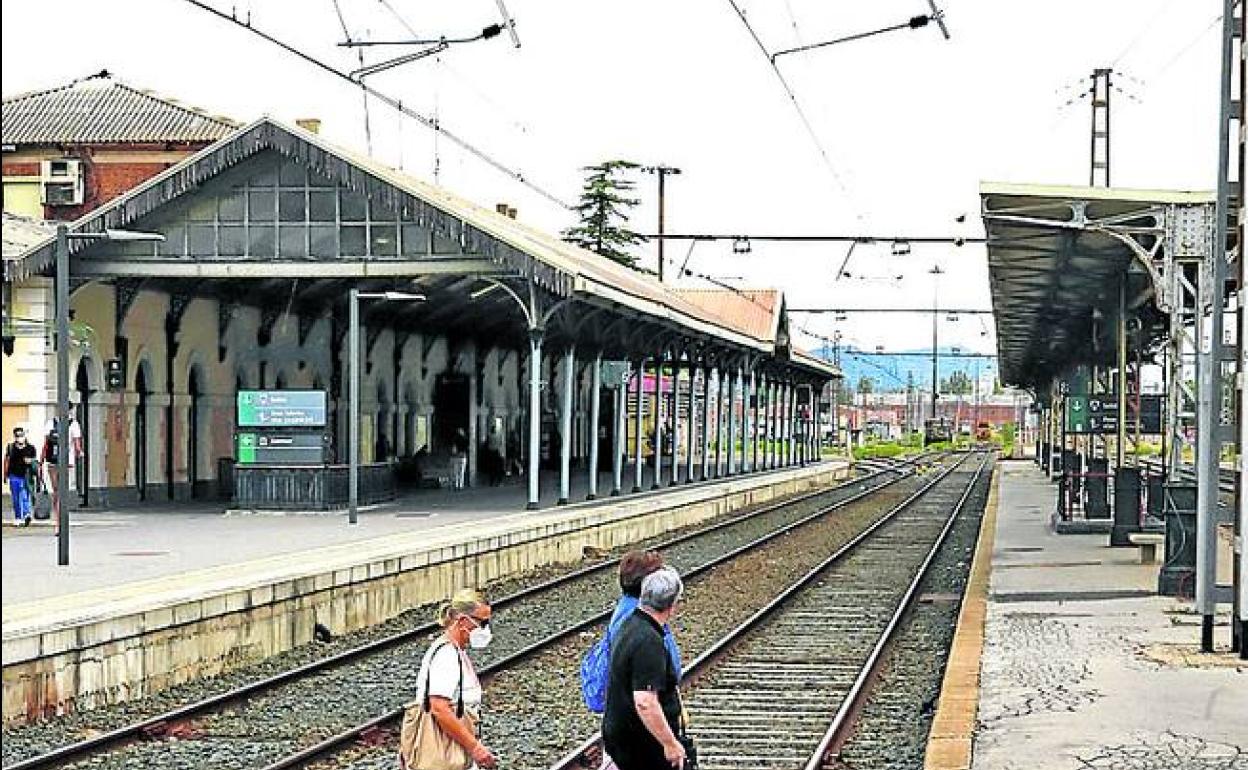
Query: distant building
<point x="69" y="149"/>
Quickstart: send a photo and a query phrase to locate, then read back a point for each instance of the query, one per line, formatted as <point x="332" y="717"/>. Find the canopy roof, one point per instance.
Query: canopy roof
<point x="1056" y="258"/>
<point x="474" y="236"/>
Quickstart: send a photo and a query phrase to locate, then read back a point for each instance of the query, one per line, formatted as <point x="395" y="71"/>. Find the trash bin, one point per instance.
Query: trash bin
<point x="1178" y="572"/>
<point x="225" y="478"/>
<point x="1126" y="505"/>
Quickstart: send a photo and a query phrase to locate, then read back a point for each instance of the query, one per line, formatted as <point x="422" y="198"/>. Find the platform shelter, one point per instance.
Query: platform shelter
<point x="1090" y="285"/>
<point x="526" y="350"/>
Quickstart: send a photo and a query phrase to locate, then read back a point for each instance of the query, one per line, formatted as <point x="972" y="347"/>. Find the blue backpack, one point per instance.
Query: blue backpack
<point x="595" y="670"/>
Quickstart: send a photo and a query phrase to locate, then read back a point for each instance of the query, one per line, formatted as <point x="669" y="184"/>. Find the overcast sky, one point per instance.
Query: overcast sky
<point x="910" y="123"/>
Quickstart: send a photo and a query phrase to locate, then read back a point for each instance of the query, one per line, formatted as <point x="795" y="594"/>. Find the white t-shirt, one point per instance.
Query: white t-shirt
<point x="441" y="669"/>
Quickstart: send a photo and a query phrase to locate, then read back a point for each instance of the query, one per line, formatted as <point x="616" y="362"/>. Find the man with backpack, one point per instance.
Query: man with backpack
<point x="595" y="668"/>
<point x="19" y="468"/>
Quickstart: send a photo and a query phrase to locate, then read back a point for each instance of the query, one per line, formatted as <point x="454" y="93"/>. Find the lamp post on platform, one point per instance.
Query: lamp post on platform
<point x="61" y="288"/>
<point x="353" y="419"/>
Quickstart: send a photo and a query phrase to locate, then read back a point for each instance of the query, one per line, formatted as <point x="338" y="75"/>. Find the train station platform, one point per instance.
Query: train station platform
<point x="153" y="600"/>
<point x="1066" y="659"/>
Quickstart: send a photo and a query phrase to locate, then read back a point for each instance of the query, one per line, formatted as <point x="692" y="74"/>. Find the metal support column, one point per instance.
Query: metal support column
<point x="637" y="425"/>
<point x="565" y="426"/>
<point x="675" y="413"/>
<point x="353" y="415"/>
<point x="535" y="417"/>
<point x="771" y="443"/>
<point x="595" y="414"/>
<point x="657" y="421"/>
<point x="618" y="433"/>
<point x="691" y="433"/>
<point x="747" y="429"/>
<point x="734" y="378"/>
<point x="61" y="491"/>
<point x="706" y="422"/>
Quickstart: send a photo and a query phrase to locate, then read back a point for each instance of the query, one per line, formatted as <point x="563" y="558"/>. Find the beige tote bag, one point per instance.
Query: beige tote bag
<point x="423" y="745"/>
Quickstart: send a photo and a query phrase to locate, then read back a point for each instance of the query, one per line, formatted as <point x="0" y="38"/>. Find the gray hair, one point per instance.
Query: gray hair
<point x="661" y="588"/>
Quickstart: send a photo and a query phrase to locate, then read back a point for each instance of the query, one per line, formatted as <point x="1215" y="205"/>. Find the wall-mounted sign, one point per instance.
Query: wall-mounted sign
<point x="281" y="448"/>
<point x="281" y="408"/>
<point x="114" y="374"/>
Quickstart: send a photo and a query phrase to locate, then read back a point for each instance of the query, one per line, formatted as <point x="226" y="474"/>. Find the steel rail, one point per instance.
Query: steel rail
<point x="486" y="673"/>
<point x="575" y="758"/>
<point x="153" y="726"/>
<point x="855" y="699"/>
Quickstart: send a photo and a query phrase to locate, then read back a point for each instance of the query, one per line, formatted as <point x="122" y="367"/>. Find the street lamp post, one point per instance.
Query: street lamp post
<point x="353" y="419"/>
<point x="61" y="290"/>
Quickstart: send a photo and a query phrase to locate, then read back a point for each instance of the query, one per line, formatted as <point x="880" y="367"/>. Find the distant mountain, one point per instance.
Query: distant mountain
<point x="888" y="371"/>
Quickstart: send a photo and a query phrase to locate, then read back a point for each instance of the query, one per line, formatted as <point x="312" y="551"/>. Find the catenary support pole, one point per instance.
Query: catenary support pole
<point x="535" y="417"/>
<point x="565" y="425"/>
<point x="1209" y="359"/>
<point x="595" y="414"/>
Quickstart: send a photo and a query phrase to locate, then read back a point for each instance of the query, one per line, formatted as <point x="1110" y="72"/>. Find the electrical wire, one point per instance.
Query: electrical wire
<point x="390" y="101"/>
<point x="801" y="112"/>
<point x="368" y="127"/>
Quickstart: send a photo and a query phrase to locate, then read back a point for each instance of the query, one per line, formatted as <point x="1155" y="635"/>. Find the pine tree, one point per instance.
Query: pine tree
<point x="603" y="209"/>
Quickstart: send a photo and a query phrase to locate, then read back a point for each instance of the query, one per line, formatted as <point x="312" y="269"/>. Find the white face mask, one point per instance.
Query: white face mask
<point x="479" y="638"/>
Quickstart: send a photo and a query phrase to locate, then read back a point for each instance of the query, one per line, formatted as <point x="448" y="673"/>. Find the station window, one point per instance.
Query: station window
<point x="354" y="242"/>
<point x="291" y="206"/>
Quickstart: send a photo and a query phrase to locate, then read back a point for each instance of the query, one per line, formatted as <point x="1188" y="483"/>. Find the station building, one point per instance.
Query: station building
<point x="519" y="340"/>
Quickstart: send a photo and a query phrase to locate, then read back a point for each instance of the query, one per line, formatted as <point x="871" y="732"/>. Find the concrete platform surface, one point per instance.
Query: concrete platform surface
<point x="112" y="547"/>
<point x="1083" y="666"/>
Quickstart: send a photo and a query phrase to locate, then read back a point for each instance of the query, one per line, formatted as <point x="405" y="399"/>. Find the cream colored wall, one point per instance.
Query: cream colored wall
<point x="21" y="196"/>
<point x="29" y="379"/>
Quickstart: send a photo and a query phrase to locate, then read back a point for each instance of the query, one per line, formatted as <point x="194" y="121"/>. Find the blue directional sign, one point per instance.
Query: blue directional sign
<point x="281" y="408"/>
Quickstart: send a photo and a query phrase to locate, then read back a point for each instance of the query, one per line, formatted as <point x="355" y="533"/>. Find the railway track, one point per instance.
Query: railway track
<point x="223" y="722"/>
<point x="782" y="689"/>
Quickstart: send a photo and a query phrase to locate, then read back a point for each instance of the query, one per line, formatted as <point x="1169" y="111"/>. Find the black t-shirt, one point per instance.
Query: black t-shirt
<point x="20" y="459"/>
<point x="639" y="661"/>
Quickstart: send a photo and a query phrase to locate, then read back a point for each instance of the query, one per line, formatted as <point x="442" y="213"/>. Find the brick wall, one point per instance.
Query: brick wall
<point x="109" y="171"/>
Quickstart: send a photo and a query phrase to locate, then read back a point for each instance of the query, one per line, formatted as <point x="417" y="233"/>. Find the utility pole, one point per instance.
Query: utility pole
<point x="662" y="172"/>
<point x="1099" y="157"/>
<point x="936" y="273"/>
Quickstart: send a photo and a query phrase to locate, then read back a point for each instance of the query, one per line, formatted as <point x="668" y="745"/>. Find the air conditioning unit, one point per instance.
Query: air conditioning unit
<point x="61" y="182"/>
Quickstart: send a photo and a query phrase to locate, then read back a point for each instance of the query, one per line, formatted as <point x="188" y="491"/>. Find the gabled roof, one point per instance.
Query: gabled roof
<point x="755" y="312"/>
<point x="557" y="266"/>
<point x="101" y="110"/>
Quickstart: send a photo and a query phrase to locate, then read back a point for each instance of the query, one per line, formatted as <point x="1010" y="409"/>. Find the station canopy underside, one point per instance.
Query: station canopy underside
<point x="275" y="217"/>
<point x="1057" y="257"/>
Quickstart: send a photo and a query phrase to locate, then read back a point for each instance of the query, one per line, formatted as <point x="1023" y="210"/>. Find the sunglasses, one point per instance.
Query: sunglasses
<point x="481" y="622"/>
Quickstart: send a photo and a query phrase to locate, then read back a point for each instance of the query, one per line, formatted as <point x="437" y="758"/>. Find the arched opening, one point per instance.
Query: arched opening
<point x="192" y="434"/>
<point x="82" y="383"/>
<point x="381" y="441"/>
<point x="140" y="432"/>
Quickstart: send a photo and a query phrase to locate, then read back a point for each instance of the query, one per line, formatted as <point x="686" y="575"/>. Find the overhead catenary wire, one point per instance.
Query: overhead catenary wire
<point x="390" y="101"/>
<point x="368" y="128"/>
<point x="797" y="107"/>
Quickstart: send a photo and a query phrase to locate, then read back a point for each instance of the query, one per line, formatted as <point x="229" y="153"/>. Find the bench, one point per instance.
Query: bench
<point x="1147" y="542"/>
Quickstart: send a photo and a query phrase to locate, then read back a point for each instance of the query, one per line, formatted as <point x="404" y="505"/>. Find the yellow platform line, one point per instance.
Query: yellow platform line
<point x="950" y="743"/>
